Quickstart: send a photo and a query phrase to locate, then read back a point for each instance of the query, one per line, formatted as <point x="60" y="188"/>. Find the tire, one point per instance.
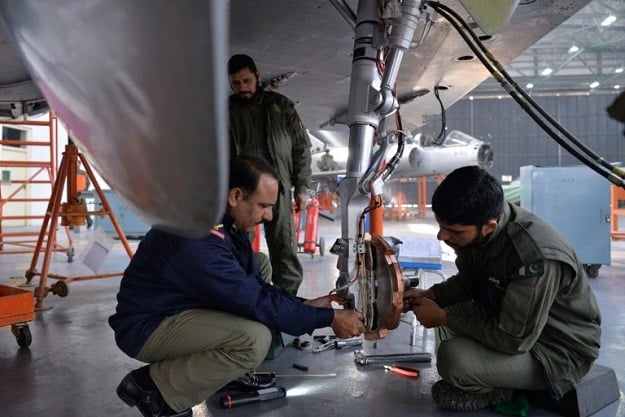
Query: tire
<point x="60" y="288"/>
<point x="23" y="336"/>
<point x="592" y="270"/>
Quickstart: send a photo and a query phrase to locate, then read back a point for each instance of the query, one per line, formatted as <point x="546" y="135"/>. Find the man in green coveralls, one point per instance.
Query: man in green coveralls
<point x="519" y="314"/>
<point x="265" y="124"/>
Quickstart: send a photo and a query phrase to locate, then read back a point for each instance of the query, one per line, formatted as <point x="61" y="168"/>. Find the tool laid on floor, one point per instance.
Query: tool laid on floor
<point x="338" y="344"/>
<point x="361" y="358"/>
<point x="403" y="370"/>
<point x="263" y="394"/>
<point x="252" y="381"/>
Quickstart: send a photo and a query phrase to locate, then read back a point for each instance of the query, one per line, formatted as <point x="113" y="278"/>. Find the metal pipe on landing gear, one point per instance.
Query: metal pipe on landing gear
<point x="371" y="99"/>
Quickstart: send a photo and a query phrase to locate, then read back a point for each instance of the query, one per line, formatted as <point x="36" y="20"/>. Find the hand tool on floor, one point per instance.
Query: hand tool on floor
<point x="403" y="370"/>
<point x="337" y="344"/>
<point x="300" y="375"/>
<point x="252" y="381"/>
<point x="263" y="394"/>
<point x="361" y="358"/>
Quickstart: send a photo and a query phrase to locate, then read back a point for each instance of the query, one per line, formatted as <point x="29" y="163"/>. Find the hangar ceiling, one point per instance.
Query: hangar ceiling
<point x="584" y="49"/>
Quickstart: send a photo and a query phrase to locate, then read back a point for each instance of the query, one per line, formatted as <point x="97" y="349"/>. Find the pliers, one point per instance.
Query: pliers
<point x="403" y="370"/>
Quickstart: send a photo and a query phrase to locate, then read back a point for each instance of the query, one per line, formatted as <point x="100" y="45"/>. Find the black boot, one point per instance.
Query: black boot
<point x="147" y="399"/>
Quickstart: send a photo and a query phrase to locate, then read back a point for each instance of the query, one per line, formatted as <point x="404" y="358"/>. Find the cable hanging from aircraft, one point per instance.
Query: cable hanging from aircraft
<point x="441" y="135"/>
<point x="574" y="146"/>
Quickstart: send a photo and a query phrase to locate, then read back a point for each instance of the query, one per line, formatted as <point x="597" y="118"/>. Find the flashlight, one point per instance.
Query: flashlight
<point x="264" y="394"/>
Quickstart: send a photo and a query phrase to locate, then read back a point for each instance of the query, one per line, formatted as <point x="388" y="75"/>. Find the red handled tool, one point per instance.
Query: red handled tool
<point x="403" y="370"/>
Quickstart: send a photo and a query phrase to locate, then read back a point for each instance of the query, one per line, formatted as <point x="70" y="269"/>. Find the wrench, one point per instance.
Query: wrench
<point x="361" y="358"/>
<point x="338" y="344"/>
<point x="325" y="346"/>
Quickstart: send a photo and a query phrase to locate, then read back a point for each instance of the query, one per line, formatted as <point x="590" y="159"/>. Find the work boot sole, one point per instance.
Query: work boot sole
<point x="451" y="398"/>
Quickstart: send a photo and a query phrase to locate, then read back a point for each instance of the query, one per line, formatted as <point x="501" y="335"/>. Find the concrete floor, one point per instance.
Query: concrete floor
<point x="72" y="366"/>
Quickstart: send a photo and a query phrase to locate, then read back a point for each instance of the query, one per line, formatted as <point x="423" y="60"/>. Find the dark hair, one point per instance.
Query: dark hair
<point x="245" y="172"/>
<point x="469" y="196"/>
<point x="237" y="62"/>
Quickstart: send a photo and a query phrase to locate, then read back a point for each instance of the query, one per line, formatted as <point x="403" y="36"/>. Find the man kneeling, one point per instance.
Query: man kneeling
<point x="198" y="311"/>
<point x="519" y="314"/>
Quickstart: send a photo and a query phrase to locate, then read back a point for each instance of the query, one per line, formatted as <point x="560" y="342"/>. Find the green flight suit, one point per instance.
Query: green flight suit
<point x="522" y="293"/>
<point x="267" y="126"/>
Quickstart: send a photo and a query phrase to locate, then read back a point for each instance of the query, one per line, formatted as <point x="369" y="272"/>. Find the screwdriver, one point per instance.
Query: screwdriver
<point x="403" y="370"/>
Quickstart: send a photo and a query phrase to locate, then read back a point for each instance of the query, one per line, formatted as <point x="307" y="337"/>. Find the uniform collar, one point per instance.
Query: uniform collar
<point x="502" y="221"/>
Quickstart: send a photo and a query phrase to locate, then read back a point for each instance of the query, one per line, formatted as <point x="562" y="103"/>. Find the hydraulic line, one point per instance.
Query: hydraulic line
<point x="441" y="135"/>
<point x="583" y="152"/>
<point x="345" y="11"/>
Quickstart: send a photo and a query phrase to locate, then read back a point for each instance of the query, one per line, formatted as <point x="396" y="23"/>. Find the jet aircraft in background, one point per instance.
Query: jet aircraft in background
<point x="422" y="157"/>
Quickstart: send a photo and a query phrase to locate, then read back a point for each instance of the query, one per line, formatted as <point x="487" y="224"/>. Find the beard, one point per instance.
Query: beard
<point x="477" y="241"/>
<point x="245" y="95"/>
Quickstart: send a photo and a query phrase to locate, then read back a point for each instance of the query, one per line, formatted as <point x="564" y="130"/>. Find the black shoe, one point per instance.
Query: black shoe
<point x="451" y="398"/>
<point x="149" y="402"/>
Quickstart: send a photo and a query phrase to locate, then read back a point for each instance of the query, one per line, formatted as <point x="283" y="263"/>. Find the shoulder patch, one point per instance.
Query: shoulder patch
<point x="218" y="231"/>
<point x="533" y="269"/>
<point x="531" y="256"/>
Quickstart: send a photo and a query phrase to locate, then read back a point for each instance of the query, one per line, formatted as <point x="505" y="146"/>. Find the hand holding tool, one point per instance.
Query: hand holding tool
<point x="403" y="370"/>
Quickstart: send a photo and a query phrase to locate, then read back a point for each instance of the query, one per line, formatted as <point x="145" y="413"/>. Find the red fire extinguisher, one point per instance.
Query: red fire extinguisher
<point x="297" y="219"/>
<point x="310" y="232"/>
<point x="256" y="241"/>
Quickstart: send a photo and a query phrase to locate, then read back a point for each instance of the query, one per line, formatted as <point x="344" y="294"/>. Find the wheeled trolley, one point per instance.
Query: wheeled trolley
<point x="17" y="308"/>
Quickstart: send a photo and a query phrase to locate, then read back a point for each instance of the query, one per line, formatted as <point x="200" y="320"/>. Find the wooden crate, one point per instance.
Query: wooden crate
<point x="16" y="305"/>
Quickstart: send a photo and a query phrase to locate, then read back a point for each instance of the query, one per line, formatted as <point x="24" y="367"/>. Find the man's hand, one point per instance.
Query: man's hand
<point x="347" y="323"/>
<point x="322" y="302"/>
<point x="301" y="199"/>
<point x="415" y="293"/>
<point x="427" y="312"/>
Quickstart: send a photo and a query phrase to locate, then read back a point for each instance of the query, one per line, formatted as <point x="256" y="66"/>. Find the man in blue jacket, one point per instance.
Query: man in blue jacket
<point x="198" y="311"/>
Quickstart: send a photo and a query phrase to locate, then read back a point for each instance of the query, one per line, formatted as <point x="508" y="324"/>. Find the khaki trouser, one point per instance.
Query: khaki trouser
<point x="280" y="235"/>
<point x="196" y="352"/>
<point x="473" y="367"/>
<point x="264" y="266"/>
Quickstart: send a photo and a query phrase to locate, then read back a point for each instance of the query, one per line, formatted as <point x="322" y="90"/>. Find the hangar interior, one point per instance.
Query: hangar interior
<point x="70" y="365"/>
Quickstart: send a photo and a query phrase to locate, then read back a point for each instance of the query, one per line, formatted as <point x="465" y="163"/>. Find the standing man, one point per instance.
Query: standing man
<point x="198" y="311"/>
<point x="266" y="125"/>
<point x="519" y="314"/>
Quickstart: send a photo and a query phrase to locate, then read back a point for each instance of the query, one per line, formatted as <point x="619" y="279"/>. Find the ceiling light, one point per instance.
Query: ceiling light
<point x="573" y="49"/>
<point x="529" y="86"/>
<point x="594" y="84"/>
<point x="616" y="86"/>
<point x="547" y="71"/>
<point x="608" y="20"/>
<point x="618" y="70"/>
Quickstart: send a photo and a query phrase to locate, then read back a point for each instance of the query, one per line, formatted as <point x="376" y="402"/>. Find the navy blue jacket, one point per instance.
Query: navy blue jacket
<point x="169" y="274"/>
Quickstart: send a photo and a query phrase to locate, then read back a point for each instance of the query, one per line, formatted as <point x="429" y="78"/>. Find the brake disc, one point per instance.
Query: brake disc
<point x="381" y="288"/>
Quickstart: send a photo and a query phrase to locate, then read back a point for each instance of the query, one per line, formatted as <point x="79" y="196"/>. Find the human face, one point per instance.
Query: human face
<point x="244" y="83"/>
<point x="251" y="210"/>
<point x="460" y="236"/>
